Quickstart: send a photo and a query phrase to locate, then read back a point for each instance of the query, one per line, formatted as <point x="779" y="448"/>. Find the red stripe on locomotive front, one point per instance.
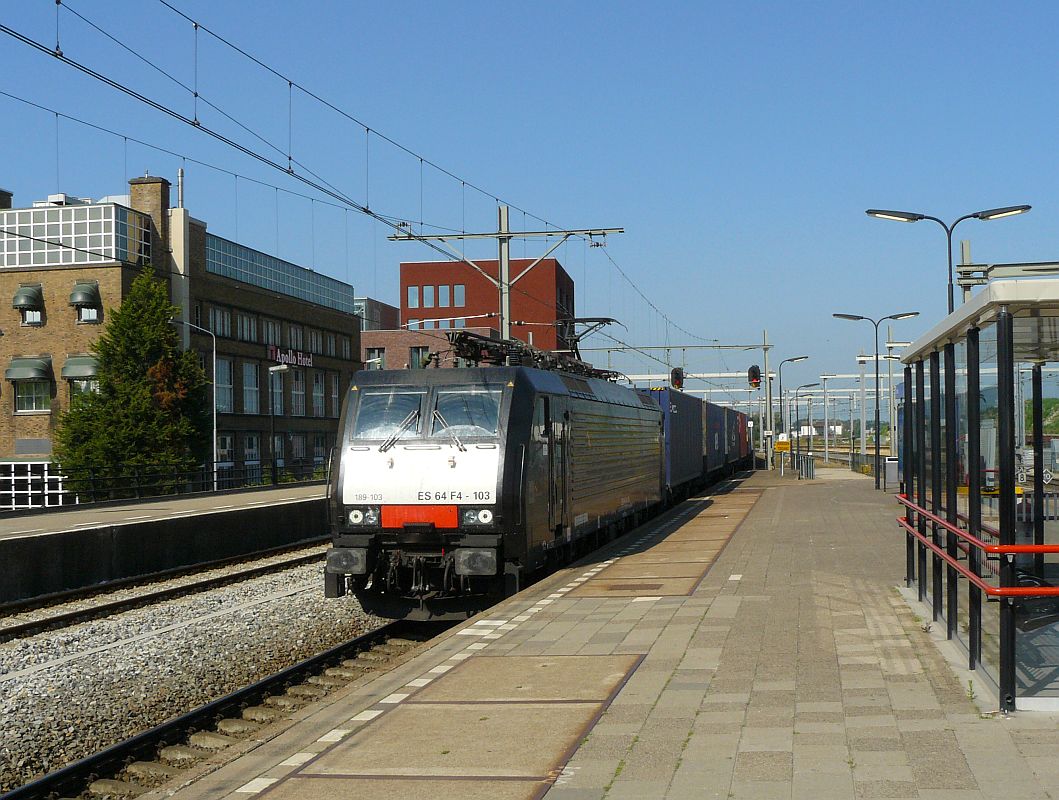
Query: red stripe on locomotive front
<point x="441" y="516"/>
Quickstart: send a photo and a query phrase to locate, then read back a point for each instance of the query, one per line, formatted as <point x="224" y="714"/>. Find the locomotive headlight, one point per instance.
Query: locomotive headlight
<point x="363" y="516"/>
<point x="477" y="516"/>
<point x="347" y="561"/>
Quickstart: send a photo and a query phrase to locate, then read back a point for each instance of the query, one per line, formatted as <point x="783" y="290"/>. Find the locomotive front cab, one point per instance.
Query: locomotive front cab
<point x="415" y="507"/>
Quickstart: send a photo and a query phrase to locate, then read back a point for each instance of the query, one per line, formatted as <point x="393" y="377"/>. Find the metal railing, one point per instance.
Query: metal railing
<point x="134" y="482"/>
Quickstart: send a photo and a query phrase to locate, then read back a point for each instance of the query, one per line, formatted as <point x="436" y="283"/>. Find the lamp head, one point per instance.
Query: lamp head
<point x="848" y="316"/>
<point x="279" y="368"/>
<point x="896" y="216"/>
<point x="797" y="358"/>
<point x="904" y="315"/>
<point x="997" y="213"/>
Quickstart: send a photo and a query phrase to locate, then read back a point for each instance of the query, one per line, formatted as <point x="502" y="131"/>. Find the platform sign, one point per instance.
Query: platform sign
<point x="782" y="447"/>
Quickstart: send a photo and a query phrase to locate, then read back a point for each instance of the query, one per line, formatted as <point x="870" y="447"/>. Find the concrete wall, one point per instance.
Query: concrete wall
<point x="38" y="565"/>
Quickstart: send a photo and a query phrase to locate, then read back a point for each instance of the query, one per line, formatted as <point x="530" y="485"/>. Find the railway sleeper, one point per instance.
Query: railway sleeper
<point x="180" y="755"/>
<point x="328" y="681"/>
<point x="111" y="787"/>
<point x="150" y="773"/>
<point x="236" y="726"/>
<point x="345" y="671"/>
<point x="209" y="740"/>
<point x="284" y="701"/>
<point x="307" y="691"/>
<point x="263" y="714"/>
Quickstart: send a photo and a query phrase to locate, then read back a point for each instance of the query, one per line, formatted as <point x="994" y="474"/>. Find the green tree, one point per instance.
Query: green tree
<point x="152" y="407"/>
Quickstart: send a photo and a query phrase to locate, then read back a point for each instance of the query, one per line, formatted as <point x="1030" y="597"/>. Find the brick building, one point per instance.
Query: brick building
<point x="439" y="294"/>
<point x="66" y="262"/>
<point x="404" y="349"/>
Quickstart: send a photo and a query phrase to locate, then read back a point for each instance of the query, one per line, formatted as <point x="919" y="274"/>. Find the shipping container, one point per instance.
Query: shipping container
<point x="682" y="420"/>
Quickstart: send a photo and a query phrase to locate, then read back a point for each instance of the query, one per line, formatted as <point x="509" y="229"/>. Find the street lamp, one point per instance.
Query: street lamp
<point x="798" y="413"/>
<point x="779" y="375"/>
<point x="214" y="382"/>
<point x="908" y="216"/>
<point x="278" y="369"/>
<point x="875" y="323"/>
<point x="824" y="379"/>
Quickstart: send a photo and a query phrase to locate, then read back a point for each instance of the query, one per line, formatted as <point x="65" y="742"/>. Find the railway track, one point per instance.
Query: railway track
<point x="157" y="755"/>
<point x="49" y="621"/>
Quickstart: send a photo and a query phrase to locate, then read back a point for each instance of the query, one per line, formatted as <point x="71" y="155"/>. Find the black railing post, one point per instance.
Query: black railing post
<point x="921" y="473"/>
<point x="1038" y="468"/>
<point x="908" y="476"/>
<point x="974" y="496"/>
<point x="1006" y="434"/>
<point x="952" y="432"/>
<point x="935" y="482"/>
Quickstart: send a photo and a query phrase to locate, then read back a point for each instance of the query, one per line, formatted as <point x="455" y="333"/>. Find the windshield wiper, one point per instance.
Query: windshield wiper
<point x="392" y="440"/>
<point x="448" y="430"/>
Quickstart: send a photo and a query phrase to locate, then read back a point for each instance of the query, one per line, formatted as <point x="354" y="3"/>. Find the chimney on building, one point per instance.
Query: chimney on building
<point x="150" y="195"/>
<point x="5" y="199"/>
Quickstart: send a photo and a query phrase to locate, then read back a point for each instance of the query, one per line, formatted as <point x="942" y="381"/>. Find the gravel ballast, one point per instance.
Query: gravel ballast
<point x="68" y="693"/>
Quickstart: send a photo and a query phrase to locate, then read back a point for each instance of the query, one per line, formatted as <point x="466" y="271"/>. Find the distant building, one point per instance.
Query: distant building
<point x="67" y="261"/>
<point x="376" y="315"/>
<point x="451" y="294"/>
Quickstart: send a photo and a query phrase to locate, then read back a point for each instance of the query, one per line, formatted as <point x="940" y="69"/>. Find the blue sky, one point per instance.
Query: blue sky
<point x="738" y="144"/>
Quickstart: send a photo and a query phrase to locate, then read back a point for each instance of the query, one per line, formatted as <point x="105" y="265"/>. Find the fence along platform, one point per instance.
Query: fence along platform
<point x="980" y="549"/>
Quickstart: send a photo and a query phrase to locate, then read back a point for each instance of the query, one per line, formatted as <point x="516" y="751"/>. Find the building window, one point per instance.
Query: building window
<point x="32" y="395"/>
<point x="79" y="386"/>
<point x="220" y="321"/>
<point x="413" y="325"/>
<point x="443" y="323"/>
<point x="276" y="381"/>
<point x="376" y="358"/>
<point x="247" y="326"/>
<point x="32" y="316"/>
<point x="428" y="324"/>
<point x="251" y="390"/>
<point x="347" y="348"/>
<point x="87" y="314"/>
<point x="417" y="357"/>
<point x="413" y="297"/>
<point x="428" y="297"/>
<point x="316" y="341"/>
<point x="251" y="448"/>
<point x="319" y="447"/>
<point x="318" y="395"/>
<point x="459" y="322"/>
<point x="297" y="445"/>
<point x="331" y="345"/>
<point x="443" y="297"/>
<point x="270" y="329"/>
<point x="297" y="393"/>
<point x="225" y="448"/>
<point x="294" y="336"/>
<point x="222" y="381"/>
<point x="334" y="395"/>
<point x="458" y="295"/>
<point x="277" y="449"/>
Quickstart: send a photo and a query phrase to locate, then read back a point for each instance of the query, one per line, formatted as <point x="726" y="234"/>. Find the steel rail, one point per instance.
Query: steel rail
<point x="71" y="779"/>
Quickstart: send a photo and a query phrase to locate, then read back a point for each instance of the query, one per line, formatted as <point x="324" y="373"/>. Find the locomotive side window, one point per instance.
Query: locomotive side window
<point x="387" y="412"/>
<point x="466" y="412"/>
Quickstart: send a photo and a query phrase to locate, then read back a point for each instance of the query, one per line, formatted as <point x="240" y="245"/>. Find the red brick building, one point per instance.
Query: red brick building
<point x="451" y="294"/>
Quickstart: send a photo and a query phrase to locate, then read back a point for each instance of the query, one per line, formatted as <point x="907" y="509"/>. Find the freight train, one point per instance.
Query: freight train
<point x="448" y="487"/>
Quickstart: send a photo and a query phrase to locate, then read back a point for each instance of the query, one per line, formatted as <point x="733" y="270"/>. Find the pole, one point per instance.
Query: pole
<point x="863" y="406"/>
<point x="272" y="425"/>
<point x="827" y="457"/>
<point x="767" y="443"/>
<point x="891" y="413"/>
<point x="504" y="243"/>
<point x="877" y="429"/>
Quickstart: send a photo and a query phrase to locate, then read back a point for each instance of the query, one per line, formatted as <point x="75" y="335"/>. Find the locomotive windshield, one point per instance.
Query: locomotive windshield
<point x="388" y="412"/>
<point x="466" y="412"/>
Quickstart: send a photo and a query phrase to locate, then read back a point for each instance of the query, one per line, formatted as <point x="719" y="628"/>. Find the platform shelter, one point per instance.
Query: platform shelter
<point x="981" y="511"/>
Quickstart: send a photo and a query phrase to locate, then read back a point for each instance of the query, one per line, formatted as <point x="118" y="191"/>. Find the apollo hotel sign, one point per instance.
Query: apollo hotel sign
<point x="296" y="358"/>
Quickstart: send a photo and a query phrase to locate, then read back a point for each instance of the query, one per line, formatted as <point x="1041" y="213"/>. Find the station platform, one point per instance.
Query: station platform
<point x="76" y="547"/>
<point x="751" y="643"/>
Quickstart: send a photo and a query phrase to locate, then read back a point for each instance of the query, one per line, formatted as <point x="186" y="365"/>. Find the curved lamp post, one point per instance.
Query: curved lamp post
<point x="909" y="216"/>
<point x="783" y="402"/>
<point x="213" y="381"/>
<point x="875" y="323"/>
